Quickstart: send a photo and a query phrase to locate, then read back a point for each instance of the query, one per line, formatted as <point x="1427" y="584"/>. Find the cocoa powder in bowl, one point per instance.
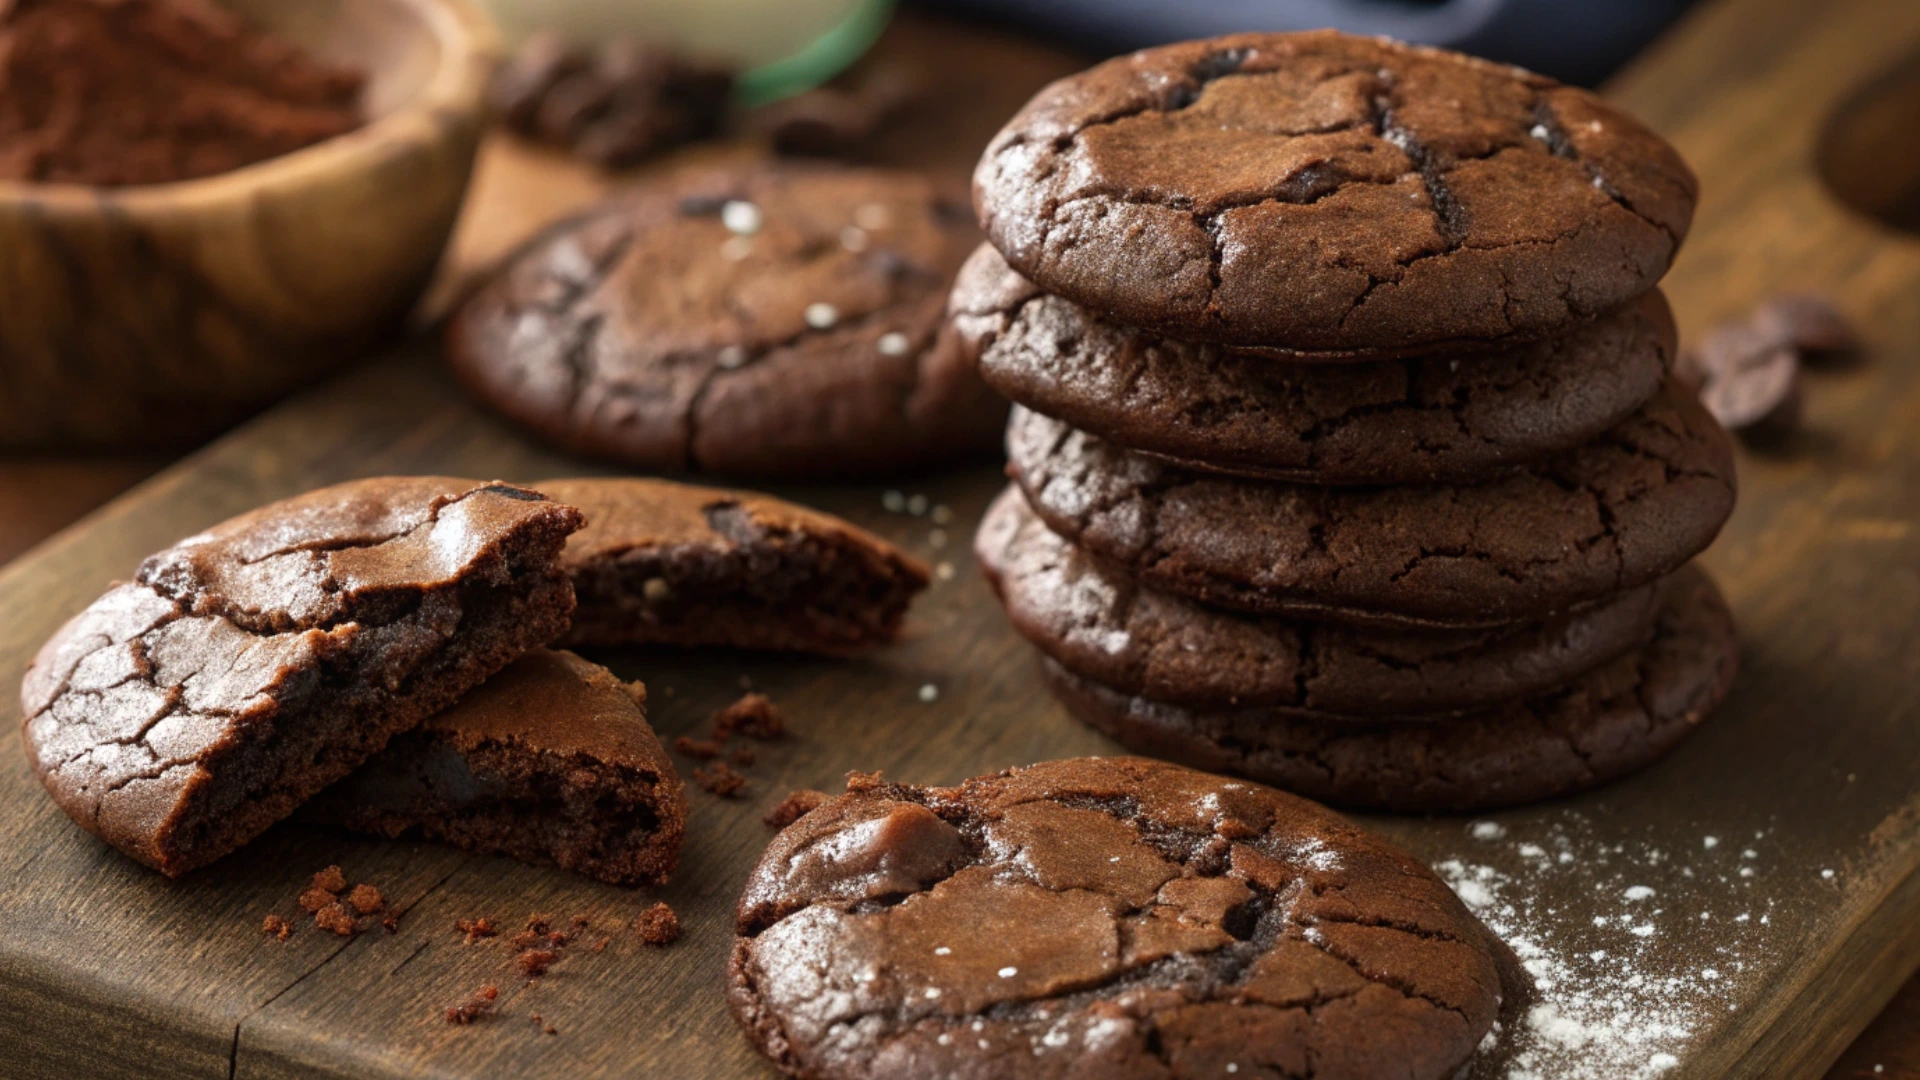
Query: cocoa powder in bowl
<point x="117" y="92"/>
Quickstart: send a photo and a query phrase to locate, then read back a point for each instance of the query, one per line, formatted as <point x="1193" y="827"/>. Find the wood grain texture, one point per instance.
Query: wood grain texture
<point x="154" y="316"/>
<point x="111" y="971"/>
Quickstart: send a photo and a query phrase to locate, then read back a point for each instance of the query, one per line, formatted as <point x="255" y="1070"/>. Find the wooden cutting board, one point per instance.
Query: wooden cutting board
<point x="1781" y="843"/>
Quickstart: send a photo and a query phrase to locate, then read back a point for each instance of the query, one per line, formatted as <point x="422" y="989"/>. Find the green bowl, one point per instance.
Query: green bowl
<point x="821" y="59"/>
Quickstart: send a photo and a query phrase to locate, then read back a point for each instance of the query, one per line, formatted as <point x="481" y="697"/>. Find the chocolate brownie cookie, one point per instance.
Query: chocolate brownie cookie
<point x="248" y="667"/>
<point x="1610" y="722"/>
<point x="1425" y="420"/>
<point x="767" y="321"/>
<point x="1321" y="193"/>
<point x="1103" y="918"/>
<point x="1629" y="507"/>
<point x="550" y="761"/>
<point x="1172" y="650"/>
<point x="673" y="564"/>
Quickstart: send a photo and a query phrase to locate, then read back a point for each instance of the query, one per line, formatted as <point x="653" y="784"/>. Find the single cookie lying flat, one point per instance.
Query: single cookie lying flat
<point x="1424" y="420"/>
<point x="666" y="563"/>
<point x="550" y="761"/>
<point x="1322" y="193"/>
<point x="765" y="321"/>
<point x="248" y="667"/>
<point x="1175" y="651"/>
<point x="1629" y="507"/>
<point x="1604" y="725"/>
<point x="1103" y="918"/>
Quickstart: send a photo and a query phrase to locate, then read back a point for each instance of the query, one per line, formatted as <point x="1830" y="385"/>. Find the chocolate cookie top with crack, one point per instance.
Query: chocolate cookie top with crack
<point x="1160" y="646"/>
<point x="248" y="667"/>
<point x="779" y="321"/>
<point x="674" y="564"/>
<point x="1327" y="194"/>
<point x="1422" y="420"/>
<point x="1612" y="721"/>
<point x="1111" y="917"/>
<point x="1627" y="508"/>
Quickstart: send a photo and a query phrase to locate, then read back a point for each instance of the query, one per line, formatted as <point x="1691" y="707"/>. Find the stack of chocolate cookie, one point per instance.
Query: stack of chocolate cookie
<point x="1346" y="457"/>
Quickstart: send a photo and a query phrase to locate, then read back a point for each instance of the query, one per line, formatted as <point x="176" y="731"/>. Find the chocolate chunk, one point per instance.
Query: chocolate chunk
<point x="1759" y="397"/>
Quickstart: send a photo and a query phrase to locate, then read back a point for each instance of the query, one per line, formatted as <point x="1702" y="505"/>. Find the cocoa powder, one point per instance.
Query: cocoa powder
<point x="115" y="92"/>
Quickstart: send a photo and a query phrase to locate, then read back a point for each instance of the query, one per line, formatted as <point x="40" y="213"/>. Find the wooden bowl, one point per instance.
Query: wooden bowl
<point x="154" y="316"/>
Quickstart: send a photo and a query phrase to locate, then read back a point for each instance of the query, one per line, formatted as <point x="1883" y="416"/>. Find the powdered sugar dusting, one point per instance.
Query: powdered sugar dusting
<point x="1621" y="996"/>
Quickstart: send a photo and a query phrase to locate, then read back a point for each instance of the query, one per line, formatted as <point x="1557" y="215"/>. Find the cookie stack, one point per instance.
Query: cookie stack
<point x="1346" y="457"/>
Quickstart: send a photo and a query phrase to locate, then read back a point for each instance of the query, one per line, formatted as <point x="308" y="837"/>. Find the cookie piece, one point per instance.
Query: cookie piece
<point x="1613" y="721"/>
<point x="1629" y="507"/>
<point x="763" y="321"/>
<point x="1172" y="650"/>
<point x="550" y="761"/>
<point x="1426" y="420"/>
<point x="672" y="564"/>
<point x="1323" y="193"/>
<point x="1110" y="917"/>
<point x="248" y="667"/>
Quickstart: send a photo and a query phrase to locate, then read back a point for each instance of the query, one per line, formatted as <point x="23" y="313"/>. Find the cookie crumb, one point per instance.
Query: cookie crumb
<point x="754" y="716"/>
<point x="277" y="927"/>
<point x="601" y="945"/>
<point x="536" y="962"/>
<point x="795" y="806"/>
<point x="366" y="899"/>
<point x="390" y="924"/>
<point x="865" y="781"/>
<point x="337" y="919"/>
<point x="330" y="880"/>
<point x="313" y="900"/>
<point x="475" y="929"/>
<point x="478" y="1004"/>
<point x="540" y="1023"/>
<point x="658" y="925"/>
<point x="720" y="778"/>
<point x="698" y="749"/>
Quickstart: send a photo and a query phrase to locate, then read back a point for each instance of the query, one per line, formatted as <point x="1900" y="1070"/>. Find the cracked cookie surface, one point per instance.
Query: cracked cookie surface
<point x="1610" y="722"/>
<point x="247" y="667"/>
<point x="1409" y="199"/>
<point x="1111" y="917"/>
<point x="1419" y="420"/>
<point x="1629" y="507"/>
<point x="550" y="761"/>
<point x="783" y="321"/>
<point x="1162" y="647"/>
<point x="675" y="564"/>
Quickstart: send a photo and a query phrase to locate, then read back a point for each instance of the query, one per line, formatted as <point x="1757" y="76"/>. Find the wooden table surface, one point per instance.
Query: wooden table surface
<point x="1743" y="88"/>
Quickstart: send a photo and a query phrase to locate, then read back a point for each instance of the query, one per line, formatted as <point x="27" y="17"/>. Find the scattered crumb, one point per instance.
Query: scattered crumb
<point x="366" y="899"/>
<point x="719" y="778"/>
<point x="390" y="924"/>
<point x="478" y="1004"/>
<point x="314" y="899"/>
<point x="795" y="806"/>
<point x="701" y="749"/>
<point x="336" y="918"/>
<point x="742" y="755"/>
<point x="601" y="945"/>
<point x="475" y="929"/>
<point x="277" y="927"/>
<point x="754" y="716"/>
<point x="658" y="925"/>
<point x="864" y="781"/>
<point x="535" y="962"/>
<point x="331" y="880"/>
<point x="543" y="1025"/>
<point x="582" y="920"/>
